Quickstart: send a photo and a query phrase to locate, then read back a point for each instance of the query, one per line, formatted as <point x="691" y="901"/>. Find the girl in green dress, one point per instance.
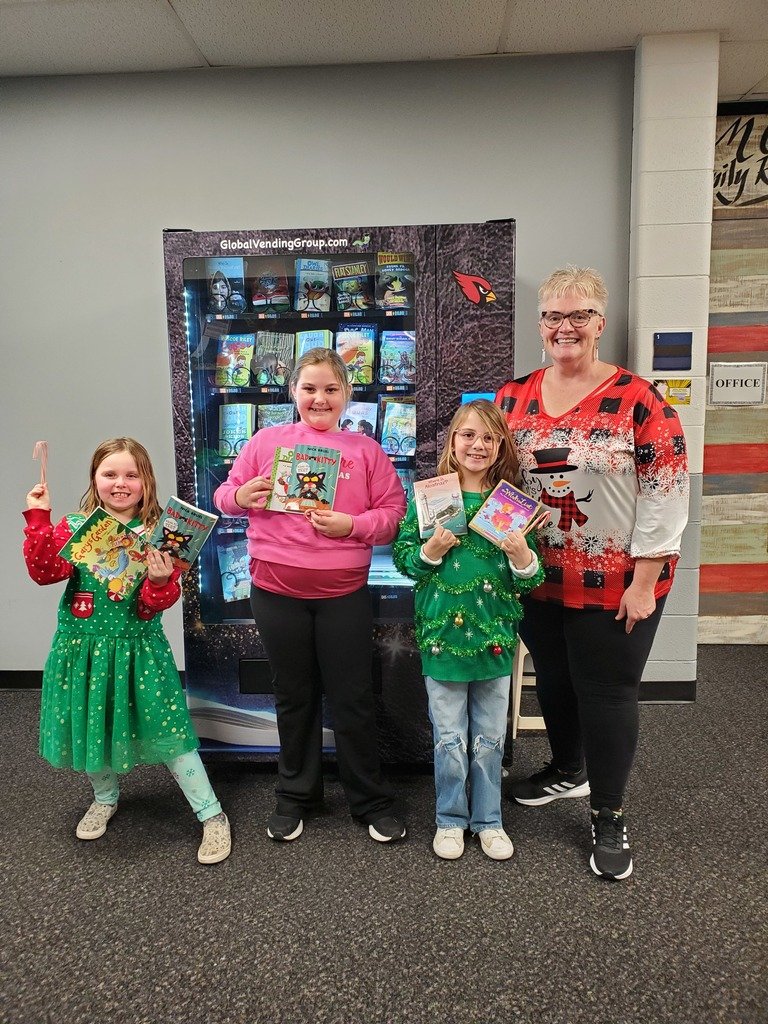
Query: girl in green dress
<point x="111" y="694"/>
<point x="467" y="607"/>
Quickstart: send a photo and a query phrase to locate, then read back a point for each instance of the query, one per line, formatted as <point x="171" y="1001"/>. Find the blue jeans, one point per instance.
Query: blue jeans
<point x="469" y="723"/>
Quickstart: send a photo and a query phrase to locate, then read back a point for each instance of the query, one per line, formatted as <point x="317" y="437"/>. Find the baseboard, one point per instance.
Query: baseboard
<point x="21" y="679"/>
<point x="671" y="691"/>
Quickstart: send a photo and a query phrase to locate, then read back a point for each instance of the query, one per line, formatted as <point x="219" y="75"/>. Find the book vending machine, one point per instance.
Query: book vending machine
<point x="422" y="316"/>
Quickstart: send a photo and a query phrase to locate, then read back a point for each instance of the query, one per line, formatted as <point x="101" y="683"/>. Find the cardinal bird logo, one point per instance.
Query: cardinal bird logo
<point x="476" y="288"/>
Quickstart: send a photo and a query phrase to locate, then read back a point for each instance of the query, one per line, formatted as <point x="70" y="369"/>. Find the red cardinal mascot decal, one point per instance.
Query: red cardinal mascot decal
<point x="476" y="288"/>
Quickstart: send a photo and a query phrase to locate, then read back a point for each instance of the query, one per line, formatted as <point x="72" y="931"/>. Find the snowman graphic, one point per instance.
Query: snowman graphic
<point x="553" y="469"/>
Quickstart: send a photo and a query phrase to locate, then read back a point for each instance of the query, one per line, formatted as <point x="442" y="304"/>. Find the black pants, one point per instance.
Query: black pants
<point x="315" y="646"/>
<point x="588" y="672"/>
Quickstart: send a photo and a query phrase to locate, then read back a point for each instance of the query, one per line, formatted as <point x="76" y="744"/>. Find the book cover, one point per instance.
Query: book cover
<point x="273" y="358"/>
<point x="394" y="280"/>
<point x="398" y="424"/>
<point x="234" y="570"/>
<point x="305" y="340"/>
<point x="304" y="478"/>
<point x="397" y="357"/>
<point x="313" y="286"/>
<point x="236" y="422"/>
<point x="356" y="344"/>
<point x="181" y="531"/>
<point x="233" y="360"/>
<point x="506" y="508"/>
<point x="267" y="284"/>
<point x="360" y="417"/>
<point x="111" y="552"/>
<point x="275" y="415"/>
<point x="439" y="503"/>
<point x="353" y="285"/>
<point x="226" y="285"/>
<point x="407" y="478"/>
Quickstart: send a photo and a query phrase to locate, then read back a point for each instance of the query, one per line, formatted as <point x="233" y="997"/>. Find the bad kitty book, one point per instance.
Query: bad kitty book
<point x="304" y="478"/>
<point x="506" y="508"/>
<point x="181" y="531"/>
<point x="112" y="553"/>
<point x="439" y="503"/>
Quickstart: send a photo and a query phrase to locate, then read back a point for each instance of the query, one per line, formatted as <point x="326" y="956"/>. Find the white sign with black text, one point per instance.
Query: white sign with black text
<point x="737" y="383"/>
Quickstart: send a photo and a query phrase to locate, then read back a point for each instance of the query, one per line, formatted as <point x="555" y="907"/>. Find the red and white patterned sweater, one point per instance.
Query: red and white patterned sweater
<point x="614" y="473"/>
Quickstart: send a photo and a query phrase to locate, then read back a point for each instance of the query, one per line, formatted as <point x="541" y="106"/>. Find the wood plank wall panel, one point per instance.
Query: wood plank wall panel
<point x="733" y="579"/>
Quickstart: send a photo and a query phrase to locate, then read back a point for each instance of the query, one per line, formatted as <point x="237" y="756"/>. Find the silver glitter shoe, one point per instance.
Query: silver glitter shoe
<point x="217" y="840"/>
<point x="93" y="823"/>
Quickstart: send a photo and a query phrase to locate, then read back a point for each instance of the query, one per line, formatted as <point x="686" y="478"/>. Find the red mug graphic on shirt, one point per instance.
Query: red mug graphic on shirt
<point x="82" y="605"/>
<point x="144" y="611"/>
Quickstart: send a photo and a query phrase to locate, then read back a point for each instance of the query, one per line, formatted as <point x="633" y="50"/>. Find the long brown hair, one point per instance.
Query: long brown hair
<point x="505" y="464"/>
<point x="148" y="508"/>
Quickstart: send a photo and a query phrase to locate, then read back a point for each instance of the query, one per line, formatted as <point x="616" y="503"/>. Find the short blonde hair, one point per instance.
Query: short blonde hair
<point x="323" y="357"/>
<point x="584" y="280"/>
<point x="505" y="464"/>
<point x="148" y="508"/>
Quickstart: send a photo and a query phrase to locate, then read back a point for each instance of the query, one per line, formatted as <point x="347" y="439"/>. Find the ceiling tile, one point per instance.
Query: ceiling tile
<point x="743" y="67"/>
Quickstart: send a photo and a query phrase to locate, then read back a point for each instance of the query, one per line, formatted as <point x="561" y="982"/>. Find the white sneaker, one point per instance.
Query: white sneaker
<point x="93" y="823"/>
<point x="217" y="841"/>
<point x="449" y="843"/>
<point x="496" y="843"/>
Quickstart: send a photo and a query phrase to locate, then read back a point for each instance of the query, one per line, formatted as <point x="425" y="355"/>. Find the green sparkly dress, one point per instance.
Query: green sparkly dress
<point x="468" y="607"/>
<point x="111" y="692"/>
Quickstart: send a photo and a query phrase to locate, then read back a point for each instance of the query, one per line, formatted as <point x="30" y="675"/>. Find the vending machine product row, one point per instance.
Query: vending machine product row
<point x="422" y="316"/>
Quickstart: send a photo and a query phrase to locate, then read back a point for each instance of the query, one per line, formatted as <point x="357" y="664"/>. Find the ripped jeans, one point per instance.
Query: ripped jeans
<point x="469" y="722"/>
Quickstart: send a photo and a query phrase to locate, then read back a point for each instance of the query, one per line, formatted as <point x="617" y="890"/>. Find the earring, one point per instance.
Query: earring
<point x="543" y="355"/>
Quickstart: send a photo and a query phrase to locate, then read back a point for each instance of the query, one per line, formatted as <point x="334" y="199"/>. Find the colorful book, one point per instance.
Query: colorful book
<point x="111" y="552"/>
<point x="267" y="281"/>
<point x="360" y="417"/>
<point x="407" y="478"/>
<point x="233" y="360"/>
<point x="353" y="285"/>
<point x="273" y="358"/>
<point x="305" y="340"/>
<point x="394" y="280"/>
<point x="356" y="344"/>
<point x="275" y="415"/>
<point x="397" y="357"/>
<point x="236" y="423"/>
<point x="398" y="424"/>
<point x="439" y="503"/>
<point x="506" y="508"/>
<point x="304" y="478"/>
<point x="234" y="570"/>
<point x="181" y="531"/>
<point x="226" y="285"/>
<point x="313" y="286"/>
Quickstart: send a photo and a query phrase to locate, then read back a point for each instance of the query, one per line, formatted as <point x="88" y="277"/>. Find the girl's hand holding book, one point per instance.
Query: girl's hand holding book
<point x="254" y="493"/>
<point x="439" y="543"/>
<point x="516" y="549"/>
<point x="159" y="566"/>
<point x="39" y="497"/>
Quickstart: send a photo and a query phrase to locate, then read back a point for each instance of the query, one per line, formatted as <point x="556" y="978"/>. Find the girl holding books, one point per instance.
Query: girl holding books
<point x="111" y="694"/>
<point x="310" y="597"/>
<point x="467" y="603"/>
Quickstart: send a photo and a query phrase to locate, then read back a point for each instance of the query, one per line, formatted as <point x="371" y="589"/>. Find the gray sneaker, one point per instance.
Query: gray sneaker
<point x="93" y="823"/>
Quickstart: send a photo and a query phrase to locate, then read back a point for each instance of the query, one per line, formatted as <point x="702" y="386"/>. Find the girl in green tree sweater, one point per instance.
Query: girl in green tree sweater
<point x="467" y="610"/>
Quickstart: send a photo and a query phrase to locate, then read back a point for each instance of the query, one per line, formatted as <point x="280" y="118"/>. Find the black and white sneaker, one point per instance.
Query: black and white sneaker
<point x="610" y="846"/>
<point x="549" y="784"/>
<point x="387" y="829"/>
<point x="284" y="827"/>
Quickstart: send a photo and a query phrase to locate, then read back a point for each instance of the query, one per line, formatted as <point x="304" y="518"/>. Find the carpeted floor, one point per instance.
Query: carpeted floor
<point x="336" y="929"/>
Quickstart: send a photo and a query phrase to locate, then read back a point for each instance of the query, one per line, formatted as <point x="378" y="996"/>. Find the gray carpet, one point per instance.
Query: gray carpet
<point x="336" y="929"/>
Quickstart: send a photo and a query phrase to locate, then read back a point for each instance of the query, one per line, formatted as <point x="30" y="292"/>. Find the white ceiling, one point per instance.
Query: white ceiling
<point x="70" y="37"/>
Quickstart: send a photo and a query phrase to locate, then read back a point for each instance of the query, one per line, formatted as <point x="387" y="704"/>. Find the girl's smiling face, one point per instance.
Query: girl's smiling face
<point x="475" y="448"/>
<point x="119" y="486"/>
<point x="319" y="396"/>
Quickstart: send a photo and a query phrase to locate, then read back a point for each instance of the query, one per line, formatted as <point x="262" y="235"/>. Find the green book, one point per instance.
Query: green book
<point x="304" y="478"/>
<point x="111" y="552"/>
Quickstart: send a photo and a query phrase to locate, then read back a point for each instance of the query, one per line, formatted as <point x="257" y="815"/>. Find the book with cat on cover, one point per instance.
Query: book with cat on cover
<point x="304" y="478"/>
<point x="111" y="552"/>
<point x="439" y="503"/>
<point x="181" y="531"/>
<point x="505" y="509"/>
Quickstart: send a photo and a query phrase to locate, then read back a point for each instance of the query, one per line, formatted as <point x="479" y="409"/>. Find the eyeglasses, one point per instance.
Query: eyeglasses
<point x="577" y="317"/>
<point x="470" y="436"/>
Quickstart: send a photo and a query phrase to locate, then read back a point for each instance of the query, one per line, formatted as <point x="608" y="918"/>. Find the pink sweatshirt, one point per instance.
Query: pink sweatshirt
<point x="368" y="489"/>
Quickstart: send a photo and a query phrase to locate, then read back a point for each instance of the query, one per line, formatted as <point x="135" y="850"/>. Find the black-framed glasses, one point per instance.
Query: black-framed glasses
<point x="470" y="436"/>
<point x="577" y="317"/>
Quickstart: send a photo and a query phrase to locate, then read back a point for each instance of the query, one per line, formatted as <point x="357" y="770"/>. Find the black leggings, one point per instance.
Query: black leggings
<point x="588" y="672"/>
<point x="315" y="646"/>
